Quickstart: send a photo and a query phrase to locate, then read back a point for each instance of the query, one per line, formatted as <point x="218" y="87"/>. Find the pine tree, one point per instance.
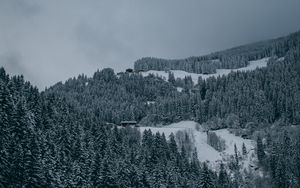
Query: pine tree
<point x="107" y="177"/>
<point x="49" y="160"/>
<point x="223" y="180"/>
<point x="205" y="178"/>
<point x="281" y="174"/>
<point x="273" y="160"/>
<point x="32" y="163"/>
<point x="244" y="149"/>
<point x="173" y="146"/>
<point x="297" y="160"/>
<point x="269" y="140"/>
<point x="195" y="164"/>
<point x="6" y="108"/>
<point x="19" y="128"/>
<point x="134" y="177"/>
<point x="237" y="179"/>
<point x="249" y="179"/>
<point x="286" y="143"/>
<point x="236" y="157"/>
<point x="144" y="179"/>
<point x="171" y="78"/>
<point x="96" y="169"/>
<point x="260" y="150"/>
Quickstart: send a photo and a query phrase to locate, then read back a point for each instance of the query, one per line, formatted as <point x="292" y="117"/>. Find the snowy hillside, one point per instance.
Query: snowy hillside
<point x="220" y="72"/>
<point x="206" y="152"/>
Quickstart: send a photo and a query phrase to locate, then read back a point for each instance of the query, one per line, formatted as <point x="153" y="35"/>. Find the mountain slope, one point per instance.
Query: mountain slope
<point x="67" y="136"/>
<point x="252" y="65"/>
<point x="207" y="153"/>
<point x="233" y="58"/>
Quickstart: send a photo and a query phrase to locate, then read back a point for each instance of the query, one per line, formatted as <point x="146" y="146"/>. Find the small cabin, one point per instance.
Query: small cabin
<point x="129" y="70"/>
<point x="128" y="123"/>
<point x="245" y="136"/>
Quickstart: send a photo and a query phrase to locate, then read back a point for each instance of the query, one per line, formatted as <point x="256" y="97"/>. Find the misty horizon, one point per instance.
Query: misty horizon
<point x="49" y="42"/>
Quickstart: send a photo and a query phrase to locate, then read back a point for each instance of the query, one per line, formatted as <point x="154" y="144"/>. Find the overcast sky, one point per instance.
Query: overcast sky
<point x="51" y="40"/>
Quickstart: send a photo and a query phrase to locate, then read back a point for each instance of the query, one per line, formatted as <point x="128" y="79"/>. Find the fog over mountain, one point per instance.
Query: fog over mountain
<point x="49" y="41"/>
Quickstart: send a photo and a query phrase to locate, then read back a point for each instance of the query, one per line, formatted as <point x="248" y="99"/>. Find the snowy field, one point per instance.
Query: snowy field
<point x="220" y="72"/>
<point x="205" y="151"/>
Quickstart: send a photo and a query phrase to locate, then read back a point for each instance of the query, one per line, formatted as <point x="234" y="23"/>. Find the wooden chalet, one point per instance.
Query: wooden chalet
<point x="128" y="123"/>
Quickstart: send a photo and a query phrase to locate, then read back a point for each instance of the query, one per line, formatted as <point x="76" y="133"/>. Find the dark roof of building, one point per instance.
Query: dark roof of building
<point x="128" y="122"/>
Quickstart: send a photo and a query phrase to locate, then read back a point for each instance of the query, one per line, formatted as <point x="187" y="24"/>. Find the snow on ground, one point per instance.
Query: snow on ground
<point x="172" y="128"/>
<point x="219" y="72"/>
<point x="232" y="140"/>
<point x="179" y="89"/>
<point x="254" y="65"/>
<point x="280" y="59"/>
<point x="205" y="151"/>
<point x="150" y="102"/>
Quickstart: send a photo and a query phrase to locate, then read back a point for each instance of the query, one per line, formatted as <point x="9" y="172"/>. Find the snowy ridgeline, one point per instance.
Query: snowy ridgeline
<point x="220" y="72"/>
<point x="207" y="153"/>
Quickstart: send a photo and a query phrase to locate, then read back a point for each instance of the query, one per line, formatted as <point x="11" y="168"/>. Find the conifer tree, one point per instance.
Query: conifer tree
<point x="32" y="163"/>
<point x="107" y="177"/>
<point x="96" y="170"/>
<point x="244" y="149"/>
<point x="205" y="178"/>
<point x="281" y="179"/>
<point x="223" y="180"/>
<point x="236" y="157"/>
<point x="260" y="150"/>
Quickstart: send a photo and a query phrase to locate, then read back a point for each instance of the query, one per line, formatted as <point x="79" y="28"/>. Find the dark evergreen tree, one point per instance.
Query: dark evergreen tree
<point x="281" y="179"/>
<point x="205" y="178"/>
<point x="260" y="150"/>
<point x="107" y="177"/>
<point x="223" y="180"/>
<point x="236" y="157"/>
<point x="244" y="149"/>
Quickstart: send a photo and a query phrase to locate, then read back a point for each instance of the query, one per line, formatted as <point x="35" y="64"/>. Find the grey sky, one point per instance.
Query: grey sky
<point x="52" y="40"/>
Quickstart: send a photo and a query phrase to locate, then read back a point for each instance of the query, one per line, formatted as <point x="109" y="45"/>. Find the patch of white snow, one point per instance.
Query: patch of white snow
<point x="206" y="153"/>
<point x="219" y="72"/>
<point x="179" y="89"/>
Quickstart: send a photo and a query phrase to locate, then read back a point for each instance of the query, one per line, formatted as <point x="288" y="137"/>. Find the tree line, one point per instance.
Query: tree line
<point x="46" y="142"/>
<point x="228" y="59"/>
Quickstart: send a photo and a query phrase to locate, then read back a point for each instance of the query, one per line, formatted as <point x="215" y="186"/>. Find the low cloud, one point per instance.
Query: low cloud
<point x="50" y="41"/>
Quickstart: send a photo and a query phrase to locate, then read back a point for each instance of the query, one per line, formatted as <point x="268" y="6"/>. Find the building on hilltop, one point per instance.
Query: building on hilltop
<point x="128" y="123"/>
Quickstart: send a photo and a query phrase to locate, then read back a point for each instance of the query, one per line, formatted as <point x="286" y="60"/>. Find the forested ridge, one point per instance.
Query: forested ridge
<point x="261" y="96"/>
<point x="46" y="142"/>
<point x="64" y="137"/>
<point x="228" y="59"/>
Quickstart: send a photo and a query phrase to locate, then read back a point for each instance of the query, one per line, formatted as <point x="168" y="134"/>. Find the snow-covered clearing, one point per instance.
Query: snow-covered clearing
<point x="219" y="72"/>
<point x="205" y="151"/>
<point x="179" y="89"/>
<point x="232" y="140"/>
<point x="281" y="59"/>
<point x="150" y="102"/>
